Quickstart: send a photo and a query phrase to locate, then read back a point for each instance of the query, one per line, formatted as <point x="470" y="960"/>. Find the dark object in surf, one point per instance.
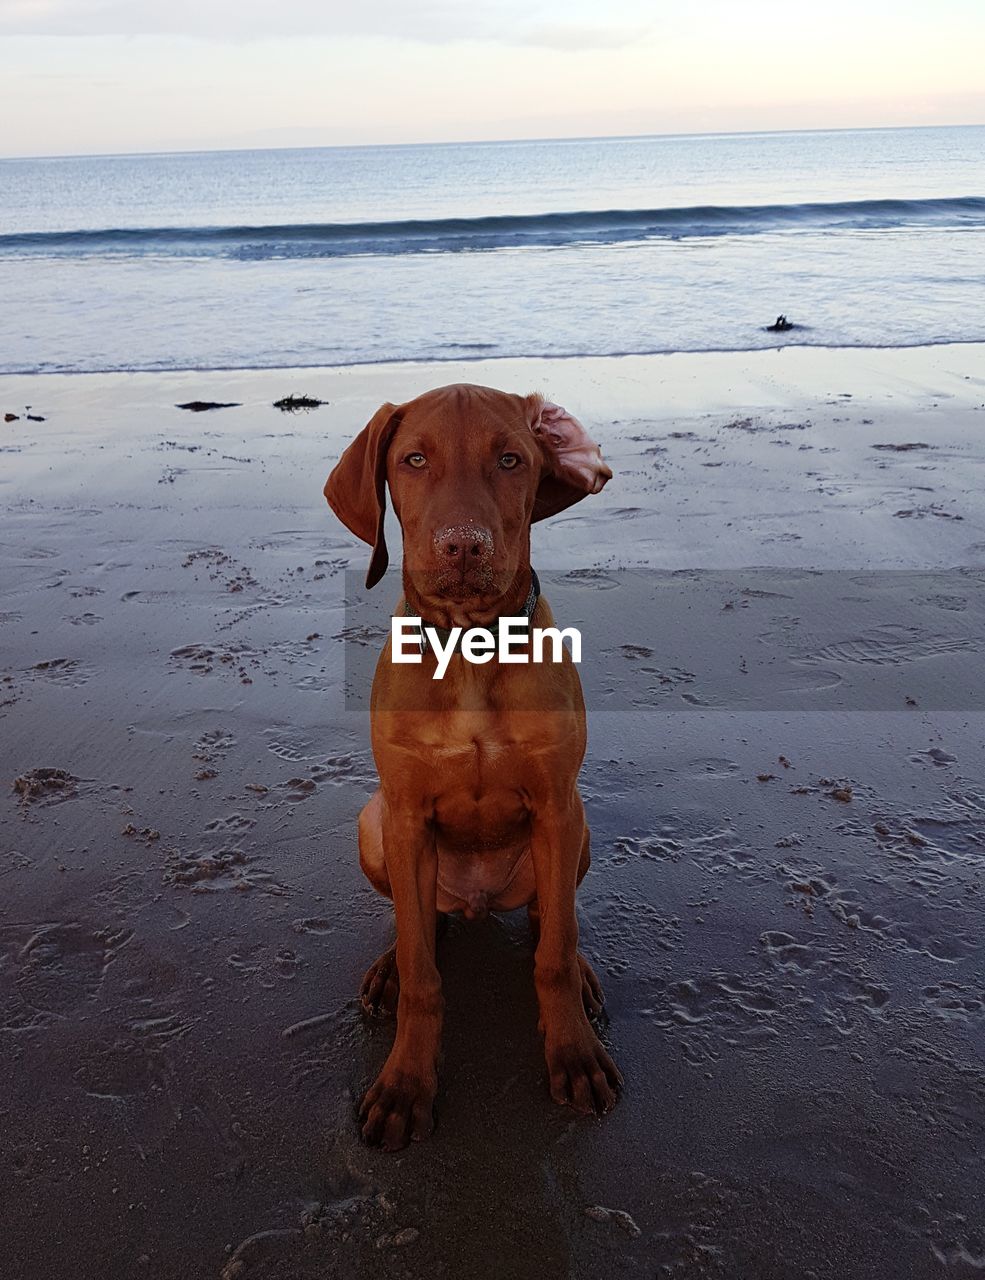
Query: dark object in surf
<point x="11" y="417"/>
<point x="200" y="406"/>
<point x="34" y="417"/>
<point x="780" y="325"/>
<point x="295" y="404"/>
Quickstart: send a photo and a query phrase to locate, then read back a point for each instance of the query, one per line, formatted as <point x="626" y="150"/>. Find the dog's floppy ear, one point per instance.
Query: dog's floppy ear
<point x="356" y="489"/>
<point x="573" y="462"/>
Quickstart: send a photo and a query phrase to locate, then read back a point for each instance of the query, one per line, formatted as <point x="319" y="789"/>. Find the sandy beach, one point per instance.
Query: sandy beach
<point x="781" y="593"/>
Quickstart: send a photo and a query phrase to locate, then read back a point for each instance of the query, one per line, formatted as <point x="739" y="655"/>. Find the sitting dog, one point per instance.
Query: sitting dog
<point x="478" y="807"/>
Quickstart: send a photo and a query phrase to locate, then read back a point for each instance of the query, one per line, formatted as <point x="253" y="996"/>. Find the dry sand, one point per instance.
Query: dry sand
<point x="784" y="783"/>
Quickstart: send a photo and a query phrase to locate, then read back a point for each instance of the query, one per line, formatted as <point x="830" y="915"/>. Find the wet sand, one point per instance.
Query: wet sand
<point x="788" y="820"/>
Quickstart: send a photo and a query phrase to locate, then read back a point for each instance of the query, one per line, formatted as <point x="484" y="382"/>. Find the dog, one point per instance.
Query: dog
<point x="478" y="807"/>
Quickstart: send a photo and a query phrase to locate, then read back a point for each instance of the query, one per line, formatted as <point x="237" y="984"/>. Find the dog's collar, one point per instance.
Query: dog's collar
<point x="444" y="633"/>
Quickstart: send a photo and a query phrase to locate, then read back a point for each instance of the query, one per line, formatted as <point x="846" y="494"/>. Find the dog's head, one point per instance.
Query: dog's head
<point x="469" y="469"/>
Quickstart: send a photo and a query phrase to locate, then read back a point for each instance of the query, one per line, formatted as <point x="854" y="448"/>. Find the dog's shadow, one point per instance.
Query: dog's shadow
<point x="496" y="1168"/>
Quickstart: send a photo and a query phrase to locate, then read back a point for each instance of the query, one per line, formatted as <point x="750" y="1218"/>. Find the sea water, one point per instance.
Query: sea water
<point x="324" y="256"/>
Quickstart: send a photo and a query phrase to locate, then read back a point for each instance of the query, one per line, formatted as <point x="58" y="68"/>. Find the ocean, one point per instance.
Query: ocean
<point x="345" y="255"/>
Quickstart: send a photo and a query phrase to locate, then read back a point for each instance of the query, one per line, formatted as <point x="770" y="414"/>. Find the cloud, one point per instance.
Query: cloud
<point x="235" y="19"/>
<point x="571" y="36"/>
<point x="509" y="22"/>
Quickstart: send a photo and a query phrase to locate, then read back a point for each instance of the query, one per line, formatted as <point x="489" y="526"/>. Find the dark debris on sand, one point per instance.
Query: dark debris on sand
<point x="202" y="406"/>
<point x="296" y="404"/>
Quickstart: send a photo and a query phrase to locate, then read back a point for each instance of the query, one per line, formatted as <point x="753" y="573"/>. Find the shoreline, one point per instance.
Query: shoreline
<point x="439" y="362"/>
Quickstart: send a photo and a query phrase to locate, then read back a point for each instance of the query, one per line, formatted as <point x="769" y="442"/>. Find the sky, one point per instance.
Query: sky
<point x="96" y="76"/>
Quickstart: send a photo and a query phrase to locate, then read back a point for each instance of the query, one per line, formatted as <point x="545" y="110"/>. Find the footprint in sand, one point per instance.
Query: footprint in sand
<point x="289" y="746"/>
<point x="717" y="849"/>
<point x="595" y="579"/>
<point x="147" y="597"/>
<point x="317" y="925"/>
<point x="219" y="871"/>
<point x="264" y="966"/>
<point x="840" y="988"/>
<point x="712" y="767"/>
<point x="891" y="644"/>
<point x="46" y="786"/>
<point x="624" y="925"/>
<point x="955" y="1002"/>
<point x="133" y="1070"/>
<point x="712" y="1011"/>
<point x="340" y="770"/>
<point x="64" y="671"/>
<point x="935" y="756"/>
<point x="56" y="968"/>
<point x="318" y="684"/>
<point x="235" y="822"/>
<point x="203" y="660"/>
<point x="895" y="908"/>
<point x="921" y="513"/>
<point x="212" y="746"/>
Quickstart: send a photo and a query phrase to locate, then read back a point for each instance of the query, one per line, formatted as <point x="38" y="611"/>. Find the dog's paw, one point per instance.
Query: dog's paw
<point x="398" y="1109"/>
<point x="380" y="990"/>
<point x="583" y="1076"/>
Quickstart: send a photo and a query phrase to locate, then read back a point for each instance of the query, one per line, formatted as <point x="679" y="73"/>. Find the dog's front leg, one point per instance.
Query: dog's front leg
<point x="399" y="1106"/>
<point x="582" y="1075"/>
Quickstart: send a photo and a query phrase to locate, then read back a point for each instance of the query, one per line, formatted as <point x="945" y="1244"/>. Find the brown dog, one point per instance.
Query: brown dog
<point x="478" y="806"/>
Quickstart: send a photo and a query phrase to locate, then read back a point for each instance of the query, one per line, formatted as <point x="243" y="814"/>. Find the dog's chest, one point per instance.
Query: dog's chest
<point x="479" y="794"/>
<point x="474" y="771"/>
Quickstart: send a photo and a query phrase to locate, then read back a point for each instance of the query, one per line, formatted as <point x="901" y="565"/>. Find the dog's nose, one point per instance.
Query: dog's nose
<point x="464" y="544"/>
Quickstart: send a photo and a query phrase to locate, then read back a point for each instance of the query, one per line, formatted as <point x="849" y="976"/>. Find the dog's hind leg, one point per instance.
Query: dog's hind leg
<point x="371" y="858"/>
<point x="380" y="987"/>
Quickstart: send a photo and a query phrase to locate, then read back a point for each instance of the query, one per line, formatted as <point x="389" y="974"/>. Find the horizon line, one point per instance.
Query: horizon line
<point x="489" y="142"/>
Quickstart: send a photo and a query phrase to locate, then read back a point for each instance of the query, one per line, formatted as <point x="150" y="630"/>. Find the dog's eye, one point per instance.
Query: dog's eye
<point x="509" y="460"/>
<point x="416" y="459"/>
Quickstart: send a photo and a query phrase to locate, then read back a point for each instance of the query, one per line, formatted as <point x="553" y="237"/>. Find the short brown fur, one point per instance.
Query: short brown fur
<point x="478" y="806"/>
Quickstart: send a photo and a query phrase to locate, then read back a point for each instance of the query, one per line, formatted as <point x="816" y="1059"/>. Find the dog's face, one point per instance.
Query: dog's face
<point x="469" y="469"/>
<point x="463" y="469"/>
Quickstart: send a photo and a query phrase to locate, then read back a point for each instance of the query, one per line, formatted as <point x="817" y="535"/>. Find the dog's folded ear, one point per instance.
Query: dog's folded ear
<point x="573" y="466"/>
<point x="356" y="489"/>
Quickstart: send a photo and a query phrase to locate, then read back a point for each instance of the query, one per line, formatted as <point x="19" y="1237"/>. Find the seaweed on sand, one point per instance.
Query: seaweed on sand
<point x="295" y="404"/>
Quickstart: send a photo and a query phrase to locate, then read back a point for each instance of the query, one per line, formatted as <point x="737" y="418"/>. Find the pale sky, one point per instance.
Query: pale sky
<point x="90" y="76"/>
